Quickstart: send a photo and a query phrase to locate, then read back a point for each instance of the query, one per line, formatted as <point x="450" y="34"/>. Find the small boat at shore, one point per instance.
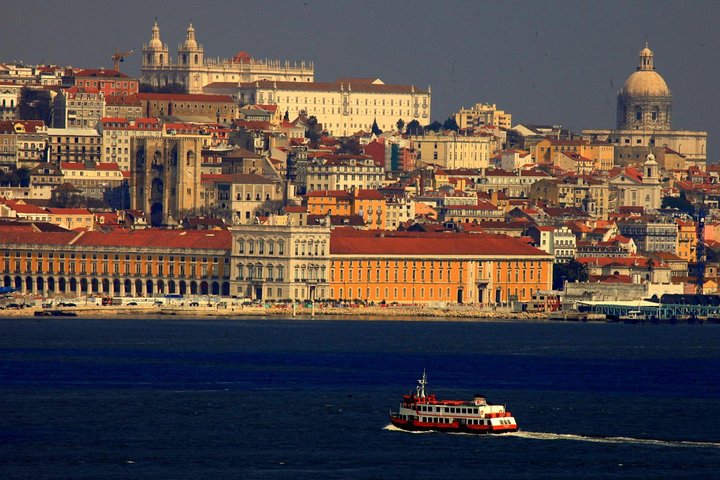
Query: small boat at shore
<point x="420" y="411"/>
<point x="55" y="313"/>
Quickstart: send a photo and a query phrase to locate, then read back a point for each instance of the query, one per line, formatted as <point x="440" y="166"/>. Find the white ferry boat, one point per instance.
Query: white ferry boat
<point x="420" y="411"/>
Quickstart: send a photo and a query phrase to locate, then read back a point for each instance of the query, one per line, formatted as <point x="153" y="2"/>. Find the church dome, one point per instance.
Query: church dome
<point x="155" y="42"/>
<point x="190" y="42"/>
<point x="645" y="83"/>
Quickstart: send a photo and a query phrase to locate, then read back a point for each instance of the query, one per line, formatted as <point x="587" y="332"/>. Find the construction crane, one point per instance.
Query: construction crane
<point x="119" y="57"/>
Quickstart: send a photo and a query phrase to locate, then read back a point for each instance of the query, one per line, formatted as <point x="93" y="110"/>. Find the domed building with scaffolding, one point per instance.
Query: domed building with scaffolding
<point x="645" y="101"/>
<point x="644" y="123"/>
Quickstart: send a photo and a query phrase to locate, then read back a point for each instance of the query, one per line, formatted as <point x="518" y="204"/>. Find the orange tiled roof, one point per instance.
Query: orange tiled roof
<point x="149" y="238"/>
<point x="404" y="243"/>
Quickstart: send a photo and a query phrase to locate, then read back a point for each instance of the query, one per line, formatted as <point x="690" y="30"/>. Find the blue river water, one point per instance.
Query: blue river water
<point x="309" y="399"/>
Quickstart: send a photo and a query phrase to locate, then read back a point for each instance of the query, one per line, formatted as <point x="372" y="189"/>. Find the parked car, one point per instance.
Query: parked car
<point x="132" y="304"/>
<point x="67" y="304"/>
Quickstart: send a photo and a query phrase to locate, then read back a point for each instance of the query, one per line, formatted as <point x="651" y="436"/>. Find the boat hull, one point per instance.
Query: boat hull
<point x="455" y="427"/>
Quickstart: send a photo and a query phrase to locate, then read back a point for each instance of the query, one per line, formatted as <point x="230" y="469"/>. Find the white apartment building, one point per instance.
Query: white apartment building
<point x="453" y="150"/>
<point x="399" y="211"/>
<point x="343" y="172"/>
<point x="78" y="107"/>
<point x="73" y="145"/>
<point x="512" y="160"/>
<point x="117" y="134"/>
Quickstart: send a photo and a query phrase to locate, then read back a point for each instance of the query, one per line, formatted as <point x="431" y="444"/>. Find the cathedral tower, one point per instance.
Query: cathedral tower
<point x="190" y="58"/>
<point x="155" y="53"/>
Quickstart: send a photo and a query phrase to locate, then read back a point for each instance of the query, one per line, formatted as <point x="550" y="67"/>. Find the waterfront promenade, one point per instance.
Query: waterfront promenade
<point x="402" y="312"/>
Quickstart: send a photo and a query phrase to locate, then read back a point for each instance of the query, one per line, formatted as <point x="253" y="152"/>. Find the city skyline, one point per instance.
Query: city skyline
<point x="558" y="63"/>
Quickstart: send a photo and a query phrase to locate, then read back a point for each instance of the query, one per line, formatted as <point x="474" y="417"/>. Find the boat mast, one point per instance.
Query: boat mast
<point x="421" y="385"/>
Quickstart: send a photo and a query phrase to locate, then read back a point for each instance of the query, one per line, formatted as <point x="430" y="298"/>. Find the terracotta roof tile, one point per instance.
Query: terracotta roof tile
<point x="404" y="243"/>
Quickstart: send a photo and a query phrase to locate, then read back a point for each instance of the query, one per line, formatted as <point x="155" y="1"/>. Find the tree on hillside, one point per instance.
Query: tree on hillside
<point x="681" y="203"/>
<point x="434" y="127"/>
<point x="400" y="124"/>
<point x="313" y="131"/>
<point x="350" y="146"/>
<point x="169" y="88"/>
<point x="375" y="129"/>
<point x="450" y="124"/>
<point x="414" y="128"/>
<point x="572" y="271"/>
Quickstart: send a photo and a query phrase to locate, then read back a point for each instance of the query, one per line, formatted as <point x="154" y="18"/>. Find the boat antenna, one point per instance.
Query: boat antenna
<point x="421" y="385"/>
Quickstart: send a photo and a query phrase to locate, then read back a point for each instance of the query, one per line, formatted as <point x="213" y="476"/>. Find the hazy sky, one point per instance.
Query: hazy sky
<point x="543" y="61"/>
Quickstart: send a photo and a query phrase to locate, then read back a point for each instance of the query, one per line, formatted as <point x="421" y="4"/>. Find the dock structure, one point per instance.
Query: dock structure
<point x="652" y="310"/>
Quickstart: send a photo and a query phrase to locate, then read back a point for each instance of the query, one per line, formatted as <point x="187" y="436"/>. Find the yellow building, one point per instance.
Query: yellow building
<point x="118" y="263"/>
<point x="343" y="107"/>
<point x="482" y="115"/>
<point x="328" y="202"/>
<point x="371" y="205"/>
<point x="687" y="240"/>
<point x="435" y="268"/>
<point x="602" y="154"/>
<point x="550" y="151"/>
<point x="453" y="151"/>
<point x="72" y="218"/>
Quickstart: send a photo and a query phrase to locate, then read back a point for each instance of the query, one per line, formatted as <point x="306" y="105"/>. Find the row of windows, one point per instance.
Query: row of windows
<point x="105" y="268"/>
<point x="378" y="278"/>
<point x="288" y="99"/>
<point x="91" y="140"/>
<point x="94" y="83"/>
<point x="106" y="256"/>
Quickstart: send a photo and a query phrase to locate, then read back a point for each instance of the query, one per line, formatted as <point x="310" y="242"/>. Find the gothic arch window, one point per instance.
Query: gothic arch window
<point x="190" y="158"/>
<point x="149" y="58"/>
<point x="140" y="158"/>
<point x="157" y="160"/>
<point x="196" y="59"/>
<point x="162" y="60"/>
<point x="184" y="59"/>
<point x="638" y="113"/>
<point x="655" y="113"/>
